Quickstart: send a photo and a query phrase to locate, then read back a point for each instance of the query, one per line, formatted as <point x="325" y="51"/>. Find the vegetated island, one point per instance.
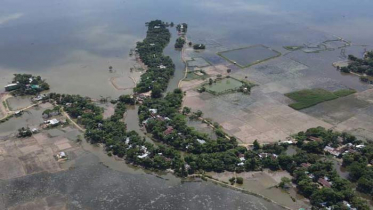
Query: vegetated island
<point x="166" y="121"/>
<point x="27" y="84"/>
<point x="160" y="67"/>
<point x="310" y="97"/>
<point x="363" y="67"/>
<point x="180" y="42"/>
<point x="182" y="28"/>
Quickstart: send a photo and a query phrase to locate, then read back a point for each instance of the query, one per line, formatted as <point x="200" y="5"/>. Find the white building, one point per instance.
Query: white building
<point x="201" y="141"/>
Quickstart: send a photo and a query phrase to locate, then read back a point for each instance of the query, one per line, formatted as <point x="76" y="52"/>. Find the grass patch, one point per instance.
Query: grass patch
<point x="223" y="86"/>
<point x="293" y="48"/>
<point x="344" y="92"/>
<point x="5" y="104"/>
<point x="311" y="97"/>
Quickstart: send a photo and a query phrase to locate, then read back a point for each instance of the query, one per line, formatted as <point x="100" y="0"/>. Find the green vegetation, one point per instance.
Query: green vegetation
<point x="180" y="42"/>
<point x="293" y="48"/>
<point x="113" y="134"/>
<point x="239" y="180"/>
<point x="344" y="92"/>
<point x="197" y="74"/>
<point x="226" y="85"/>
<point x="285" y="182"/>
<point x="361" y="66"/>
<point x="24" y="132"/>
<point x="182" y="28"/>
<point x="335" y="189"/>
<point x="5" y="104"/>
<point x="28" y="84"/>
<point x="310" y="97"/>
<point x="150" y="50"/>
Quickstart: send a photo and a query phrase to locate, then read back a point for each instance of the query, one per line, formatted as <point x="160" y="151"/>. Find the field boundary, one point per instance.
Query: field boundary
<point x="251" y="64"/>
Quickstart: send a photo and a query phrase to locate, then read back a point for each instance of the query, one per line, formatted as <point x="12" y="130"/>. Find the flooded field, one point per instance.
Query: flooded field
<point x="264" y="183"/>
<point x="16" y="103"/>
<point x="224" y="85"/>
<point x="202" y="127"/>
<point x="248" y="56"/>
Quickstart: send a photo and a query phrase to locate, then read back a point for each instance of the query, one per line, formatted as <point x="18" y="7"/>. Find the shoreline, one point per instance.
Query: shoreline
<point x="249" y="192"/>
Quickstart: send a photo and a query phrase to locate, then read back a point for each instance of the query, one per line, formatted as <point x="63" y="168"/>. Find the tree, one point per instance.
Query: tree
<point x="186" y="110"/>
<point x="256" y="145"/>
<point x="284" y="182"/>
<point x="24" y="132"/>
<point x="232" y="180"/>
<point x="239" y="180"/>
<point x="156" y="91"/>
<point x="47" y="112"/>
<point x="127" y="99"/>
<point x="345" y="70"/>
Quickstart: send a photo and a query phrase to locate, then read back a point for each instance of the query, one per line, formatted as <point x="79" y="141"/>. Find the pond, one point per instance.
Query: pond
<point x="223" y="85"/>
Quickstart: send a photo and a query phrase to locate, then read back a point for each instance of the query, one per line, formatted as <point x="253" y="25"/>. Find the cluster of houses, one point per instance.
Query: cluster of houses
<point x="343" y="149"/>
<point x="155" y="116"/>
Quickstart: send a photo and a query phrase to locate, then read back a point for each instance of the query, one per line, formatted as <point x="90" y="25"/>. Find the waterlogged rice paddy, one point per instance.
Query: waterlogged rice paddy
<point x="248" y="56"/>
<point x="224" y="85"/>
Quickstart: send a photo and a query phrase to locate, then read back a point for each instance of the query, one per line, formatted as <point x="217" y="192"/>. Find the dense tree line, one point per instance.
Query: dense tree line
<point x="160" y="67"/>
<point x="359" y="165"/>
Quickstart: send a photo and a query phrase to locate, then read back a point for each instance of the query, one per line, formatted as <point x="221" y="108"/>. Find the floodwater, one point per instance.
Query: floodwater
<point x="202" y="127"/>
<point x="72" y="43"/>
<point x="223" y="85"/>
<point x="249" y="55"/>
<point x="175" y="55"/>
<point x="19" y="102"/>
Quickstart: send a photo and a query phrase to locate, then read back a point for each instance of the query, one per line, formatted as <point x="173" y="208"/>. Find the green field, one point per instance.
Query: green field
<point x="344" y="92"/>
<point x="223" y="85"/>
<point x="311" y="97"/>
<point x="191" y="75"/>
